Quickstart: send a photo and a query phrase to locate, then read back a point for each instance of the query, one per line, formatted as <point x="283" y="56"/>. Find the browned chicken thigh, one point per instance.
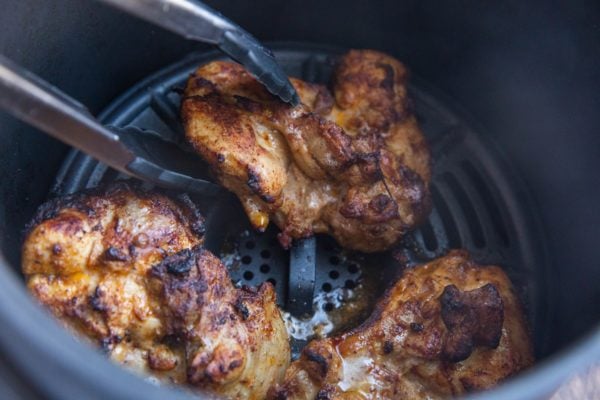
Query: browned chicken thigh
<point x="353" y="164"/>
<point x="445" y="328"/>
<point x="235" y="341"/>
<point x="124" y="267"/>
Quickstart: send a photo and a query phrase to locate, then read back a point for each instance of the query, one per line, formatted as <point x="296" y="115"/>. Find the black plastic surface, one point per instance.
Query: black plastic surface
<point x="301" y="282"/>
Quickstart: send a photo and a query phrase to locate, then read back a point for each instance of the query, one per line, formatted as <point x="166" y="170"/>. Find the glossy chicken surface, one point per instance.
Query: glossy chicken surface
<point x="351" y="163"/>
<point x="445" y="328"/>
<point x="124" y="268"/>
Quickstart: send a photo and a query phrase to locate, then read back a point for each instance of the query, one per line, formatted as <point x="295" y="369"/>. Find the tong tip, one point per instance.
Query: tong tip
<point x="259" y="60"/>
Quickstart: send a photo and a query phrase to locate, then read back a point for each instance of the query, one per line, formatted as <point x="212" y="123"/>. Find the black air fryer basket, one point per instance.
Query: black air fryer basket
<point x="506" y="94"/>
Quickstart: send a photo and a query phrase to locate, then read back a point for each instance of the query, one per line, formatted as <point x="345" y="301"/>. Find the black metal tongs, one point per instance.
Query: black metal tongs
<point x="196" y="21"/>
<point x="37" y="102"/>
<point x="42" y="105"/>
<point x="127" y="150"/>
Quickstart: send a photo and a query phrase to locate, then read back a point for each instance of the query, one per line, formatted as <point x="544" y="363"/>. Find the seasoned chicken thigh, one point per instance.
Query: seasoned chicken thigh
<point x="354" y="165"/>
<point x="445" y="328"/>
<point x="124" y="267"/>
<point x="235" y="340"/>
<point x="86" y="257"/>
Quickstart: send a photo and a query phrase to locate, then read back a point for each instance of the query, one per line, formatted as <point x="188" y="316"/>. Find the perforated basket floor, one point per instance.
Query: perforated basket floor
<point x="479" y="204"/>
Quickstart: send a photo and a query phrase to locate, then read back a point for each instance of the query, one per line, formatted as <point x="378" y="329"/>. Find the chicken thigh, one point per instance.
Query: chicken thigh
<point x="352" y="164"/>
<point x="124" y="268"/>
<point x="445" y="328"/>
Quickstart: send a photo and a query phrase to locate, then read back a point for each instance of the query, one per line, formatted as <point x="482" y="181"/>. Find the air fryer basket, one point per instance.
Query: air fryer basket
<point x="479" y="204"/>
<point x="523" y="192"/>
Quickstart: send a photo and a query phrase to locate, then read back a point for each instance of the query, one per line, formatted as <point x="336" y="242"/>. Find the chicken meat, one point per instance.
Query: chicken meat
<point x="235" y="340"/>
<point x="124" y="267"/>
<point x="352" y="163"/>
<point x="446" y="328"/>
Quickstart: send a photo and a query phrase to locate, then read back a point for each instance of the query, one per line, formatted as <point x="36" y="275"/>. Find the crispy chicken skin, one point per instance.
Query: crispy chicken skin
<point x="445" y="328"/>
<point x="86" y="257"/>
<point x="124" y="267"/>
<point x="353" y="164"/>
<point x="235" y="341"/>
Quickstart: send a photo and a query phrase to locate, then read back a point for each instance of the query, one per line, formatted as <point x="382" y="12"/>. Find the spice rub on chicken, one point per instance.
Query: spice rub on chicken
<point x="124" y="268"/>
<point x="235" y="340"/>
<point x="445" y="328"/>
<point x="352" y="163"/>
